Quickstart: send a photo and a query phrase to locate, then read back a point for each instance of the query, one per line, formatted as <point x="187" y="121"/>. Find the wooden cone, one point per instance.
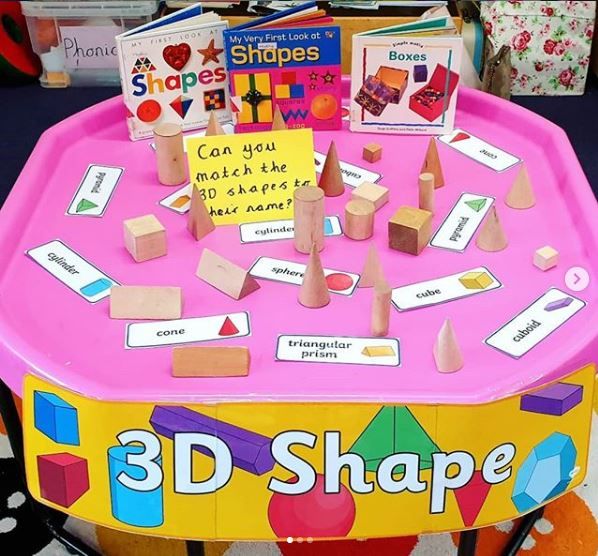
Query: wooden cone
<point x="199" y="221"/>
<point x="278" y="123"/>
<point x="432" y="164"/>
<point x="381" y="307"/>
<point x="521" y="194"/>
<point x="372" y="269"/>
<point x="492" y="237"/>
<point x="331" y="179"/>
<point x="214" y="127"/>
<point x="314" y="289"/>
<point x="447" y="353"/>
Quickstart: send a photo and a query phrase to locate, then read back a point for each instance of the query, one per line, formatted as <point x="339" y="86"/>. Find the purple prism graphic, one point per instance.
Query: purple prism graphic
<point x="250" y="450"/>
<point x="558" y="304"/>
<point x="555" y="399"/>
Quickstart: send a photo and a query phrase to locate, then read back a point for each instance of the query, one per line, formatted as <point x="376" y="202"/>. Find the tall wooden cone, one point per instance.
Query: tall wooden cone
<point x="447" y="353"/>
<point x="278" y="123"/>
<point x="214" y="127"/>
<point x="521" y="194"/>
<point x="199" y="221"/>
<point x="432" y="164"/>
<point x="372" y="269"/>
<point x="492" y="237"/>
<point x="381" y="299"/>
<point x="331" y="179"/>
<point x="314" y="289"/>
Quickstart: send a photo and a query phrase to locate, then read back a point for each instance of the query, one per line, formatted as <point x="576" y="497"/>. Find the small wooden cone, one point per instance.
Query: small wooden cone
<point x="331" y="179"/>
<point x="314" y="289"/>
<point x="432" y="164"/>
<point x="426" y="191"/>
<point x="381" y="307"/>
<point x="278" y="123"/>
<point x="447" y="353"/>
<point x="199" y="221"/>
<point x="492" y="237"/>
<point x="214" y="127"/>
<point x="521" y="194"/>
<point x="372" y="269"/>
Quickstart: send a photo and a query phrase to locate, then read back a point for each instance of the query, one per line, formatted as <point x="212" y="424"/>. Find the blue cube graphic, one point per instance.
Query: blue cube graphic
<point x="297" y="91"/>
<point x="56" y="418"/>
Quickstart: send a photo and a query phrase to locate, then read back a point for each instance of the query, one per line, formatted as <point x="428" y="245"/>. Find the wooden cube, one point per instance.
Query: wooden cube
<point x="146" y="302"/>
<point x="145" y="238"/>
<point x="546" y="257"/>
<point x="377" y="194"/>
<point x="409" y="230"/>
<point x="372" y="152"/>
<point x="198" y="361"/>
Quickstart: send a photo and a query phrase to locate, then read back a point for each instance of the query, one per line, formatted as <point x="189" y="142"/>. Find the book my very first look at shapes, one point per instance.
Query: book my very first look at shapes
<point x="404" y="78"/>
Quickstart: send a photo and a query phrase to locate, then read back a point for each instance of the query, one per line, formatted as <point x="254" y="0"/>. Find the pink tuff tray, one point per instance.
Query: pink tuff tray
<point x="47" y="329"/>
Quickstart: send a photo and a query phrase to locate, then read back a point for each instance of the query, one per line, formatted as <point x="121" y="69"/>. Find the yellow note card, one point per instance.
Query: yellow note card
<point x="250" y="177"/>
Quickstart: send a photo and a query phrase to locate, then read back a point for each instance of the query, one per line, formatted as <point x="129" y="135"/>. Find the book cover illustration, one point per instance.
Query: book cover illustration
<point x="292" y="64"/>
<point x="174" y="72"/>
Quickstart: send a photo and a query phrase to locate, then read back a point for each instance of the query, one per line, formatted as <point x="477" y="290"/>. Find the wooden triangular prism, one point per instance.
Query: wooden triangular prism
<point x="447" y="353"/>
<point x="278" y="123"/>
<point x="331" y="179"/>
<point x="432" y="164"/>
<point x="199" y="221"/>
<point x="492" y="237"/>
<point x="521" y="194"/>
<point x="214" y="127"/>
<point x="314" y="289"/>
<point x="372" y="269"/>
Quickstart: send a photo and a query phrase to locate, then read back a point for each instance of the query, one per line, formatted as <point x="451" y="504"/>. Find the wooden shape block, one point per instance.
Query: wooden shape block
<point x="426" y="191"/>
<point x="381" y="308"/>
<point x="199" y="221"/>
<point x="546" y="257"/>
<point x="359" y="219"/>
<point x="521" y="194"/>
<point x="372" y="152"/>
<point x="225" y="276"/>
<point x="145" y="238"/>
<point x="308" y="203"/>
<point x="377" y="194"/>
<point x="146" y="302"/>
<point x="409" y="230"/>
<point x="331" y="178"/>
<point x="203" y="361"/>
<point x="447" y="353"/>
<point x="476" y="280"/>
<point x="278" y="123"/>
<point x="372" y="269"/>
<point x="214" y="127"/>
<point x="170" y="154"/>
<point x="314" y="288"/>
<point x="492" y="237"/>
<point x="432" y="164"/>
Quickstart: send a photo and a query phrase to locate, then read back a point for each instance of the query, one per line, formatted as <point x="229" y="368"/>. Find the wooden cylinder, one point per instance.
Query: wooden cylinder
<point x="426" y="191"/>
<point x="170" y="154"/>
<point x="309" y="218"/>
<point x="359" y="219"/>
<point x="381" y="309"/>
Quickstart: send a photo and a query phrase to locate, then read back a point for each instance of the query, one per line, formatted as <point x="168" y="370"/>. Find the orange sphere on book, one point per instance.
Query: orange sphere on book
<point x="324" y="106"/>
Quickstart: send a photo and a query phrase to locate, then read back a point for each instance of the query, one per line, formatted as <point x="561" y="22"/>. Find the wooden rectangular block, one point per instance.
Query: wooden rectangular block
<point x="206" y="361"/>
<point x="145" y="238"/>
<point x="225" y="276"/>
<point x="377" y="194"/>
<point x="372" y="152"/>
<point x="146" y="302"/>
<point x="546" y="257"/>
<point x="409" y="230"/>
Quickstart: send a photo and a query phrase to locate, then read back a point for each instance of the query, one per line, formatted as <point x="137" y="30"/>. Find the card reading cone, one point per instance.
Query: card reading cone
<point x="461" y="136"/>
<point x="228" y="328"/>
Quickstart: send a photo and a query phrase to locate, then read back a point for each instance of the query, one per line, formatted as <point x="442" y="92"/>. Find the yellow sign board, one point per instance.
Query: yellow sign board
<point x="265" y="471"/>
<point x="251" y="177"/>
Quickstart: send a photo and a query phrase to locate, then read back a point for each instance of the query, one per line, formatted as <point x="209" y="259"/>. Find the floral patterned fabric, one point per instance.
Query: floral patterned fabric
<point x="550" y="43"/>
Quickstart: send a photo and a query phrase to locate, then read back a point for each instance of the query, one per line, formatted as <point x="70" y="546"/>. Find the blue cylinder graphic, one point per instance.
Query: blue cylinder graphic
<point x="133" y="507"/>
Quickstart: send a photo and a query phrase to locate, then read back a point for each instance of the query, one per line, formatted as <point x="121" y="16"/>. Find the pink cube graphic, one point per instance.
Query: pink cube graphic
<point x="63" y="478"/>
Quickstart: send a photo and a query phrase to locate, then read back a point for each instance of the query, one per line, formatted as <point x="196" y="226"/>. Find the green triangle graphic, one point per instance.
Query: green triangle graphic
<point x="84" y="205"/>
<point x="476" y="204"/>
<point x="394" y="430"/>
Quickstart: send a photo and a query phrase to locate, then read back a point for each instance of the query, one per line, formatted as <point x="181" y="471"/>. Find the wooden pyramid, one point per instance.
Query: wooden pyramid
<point x="314" y="289"/>
<point x="199" y="221"/>
<point x="492" y="237"/>
<point x="521" y="194"/>
<point x="214" y="127"/>
<point x="278" y="123"/>
<point x="432" y="164"/>
<point x="331" y="179"/>
<point x="447" y="353"/>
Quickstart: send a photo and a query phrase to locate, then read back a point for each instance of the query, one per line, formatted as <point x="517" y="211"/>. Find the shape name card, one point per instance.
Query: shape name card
<point x="251" y="177"/>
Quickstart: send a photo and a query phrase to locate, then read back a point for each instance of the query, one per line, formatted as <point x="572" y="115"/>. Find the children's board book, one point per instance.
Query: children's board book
<point x="173" y="71"/>
<point x="290" y="59"/>
<point x="404" y="78"/>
